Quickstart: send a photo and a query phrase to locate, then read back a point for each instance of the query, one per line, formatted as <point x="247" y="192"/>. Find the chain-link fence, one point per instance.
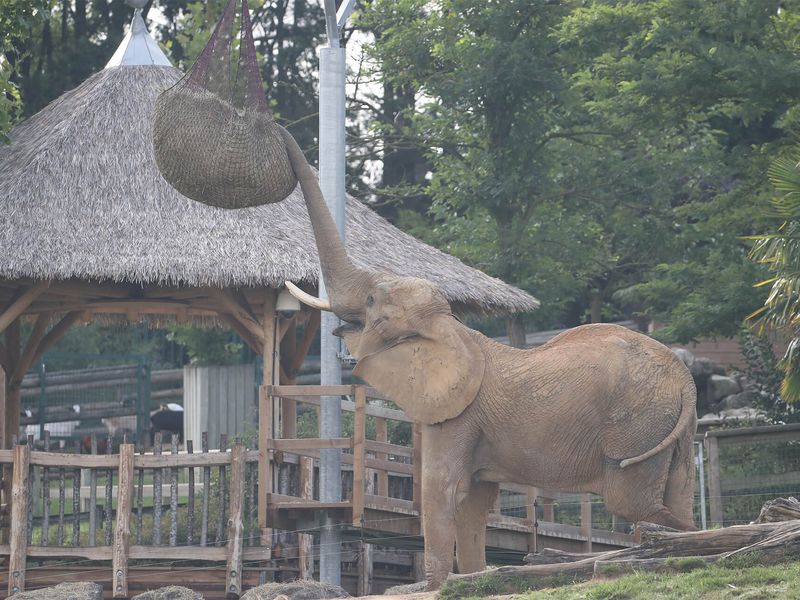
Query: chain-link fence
<point x="75" y="395"/>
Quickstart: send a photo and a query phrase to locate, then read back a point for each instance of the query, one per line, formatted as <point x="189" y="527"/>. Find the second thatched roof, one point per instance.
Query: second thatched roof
<point x="82" y="198"/>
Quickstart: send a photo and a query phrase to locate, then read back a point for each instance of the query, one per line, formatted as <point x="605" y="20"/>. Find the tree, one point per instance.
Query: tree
<point x="780" y="252"/>
<point x="716" y="82"/>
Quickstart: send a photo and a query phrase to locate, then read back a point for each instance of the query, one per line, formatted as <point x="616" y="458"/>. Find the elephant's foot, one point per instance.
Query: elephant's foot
<point x="667" y="518"/>
<point x="436" y="573"/>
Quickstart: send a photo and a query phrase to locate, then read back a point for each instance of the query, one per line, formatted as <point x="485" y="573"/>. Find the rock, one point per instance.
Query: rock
<point x="172" y="592"/>
<point x="305" y="589"/>
<point x="722" y="386"/>
<point x="64" y="591"/>
<point x="740" y="400"/>
<point x="686" y="357"/>
<point x="703" y="367"/>
<point x="409" y="588"/>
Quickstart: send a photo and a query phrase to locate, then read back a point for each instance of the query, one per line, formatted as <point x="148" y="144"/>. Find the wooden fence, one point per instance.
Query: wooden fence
<point x="750" y="462"/>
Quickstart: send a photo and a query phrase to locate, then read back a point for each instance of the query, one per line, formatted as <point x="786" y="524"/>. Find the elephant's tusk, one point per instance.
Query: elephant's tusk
<point x="307" y="298"/>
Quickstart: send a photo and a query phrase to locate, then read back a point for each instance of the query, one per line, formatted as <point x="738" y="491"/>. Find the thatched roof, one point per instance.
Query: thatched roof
<point x="82" y="198"/>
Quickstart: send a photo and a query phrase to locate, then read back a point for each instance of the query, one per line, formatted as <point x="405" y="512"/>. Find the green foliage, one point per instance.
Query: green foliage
<point x="780" y="252"/>
<point x="764" y="375"/>
<point x="208" y="346"/>
<point x="17" y="17"/>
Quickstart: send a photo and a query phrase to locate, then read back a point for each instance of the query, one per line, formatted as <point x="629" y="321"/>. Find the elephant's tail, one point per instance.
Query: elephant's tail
<point x="687" y="416"/>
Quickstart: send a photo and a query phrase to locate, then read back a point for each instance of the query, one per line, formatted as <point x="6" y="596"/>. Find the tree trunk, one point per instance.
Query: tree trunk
<point x="515" y="326"/>
<point x="597" y="308"/>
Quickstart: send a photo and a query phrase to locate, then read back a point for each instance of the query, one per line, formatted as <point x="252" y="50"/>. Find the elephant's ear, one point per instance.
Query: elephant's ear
<point x="432" y="378"/>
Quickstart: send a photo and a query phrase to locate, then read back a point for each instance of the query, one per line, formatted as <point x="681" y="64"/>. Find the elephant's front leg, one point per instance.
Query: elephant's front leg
<point x="471" y="515"/>
<point x="445" y="481"/>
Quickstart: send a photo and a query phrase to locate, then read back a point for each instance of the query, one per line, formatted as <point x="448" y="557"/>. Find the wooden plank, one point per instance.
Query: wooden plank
<point x="305" y="541"/>
<point x="122" y="528"/>
<point x="382" y="437"/>
<point x="714" y="486"/>
<point x="206" y="494"/>
<point x="389" y="466"/>
<point x="298" y="445"/>
<point x="109" y="488"/>
<point x="139" y="500"/>
<point x="586" y="520"/>
<point x="223" y="446"/>
<point x="283" y="501"/>
<point x="747" y="432"/>
<point x="416" y="437"/>
<point x="76" y="500"/>
<point x="359" y="435"/>
<point x="20" y="303"/>
<point x="384" y="503"/>
<point x="530" y="520"/>
<point x="46" y="495"/>
<point x="190" y="504"/>
<point x="265" y="414"/>
<point x="157" y="491"/>
<point x="291" y="391"/>
<point x="384" y="448"/>
<point x="350" y="406"/>
<point x="19" y="520"/>
<point x="93" y="495"/>
<point x="233" y="578"/>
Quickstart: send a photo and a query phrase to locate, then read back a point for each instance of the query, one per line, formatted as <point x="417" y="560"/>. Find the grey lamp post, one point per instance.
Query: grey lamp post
<point x="332" y="73"/>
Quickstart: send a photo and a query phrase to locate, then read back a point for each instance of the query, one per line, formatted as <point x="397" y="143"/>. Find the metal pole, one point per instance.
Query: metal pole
<point x="331" y="174"/>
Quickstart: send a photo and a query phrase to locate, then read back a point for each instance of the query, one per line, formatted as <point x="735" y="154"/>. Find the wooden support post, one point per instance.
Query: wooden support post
<point x="586" y="520"/>
<point x="382" y="435"/>
<point x="265" y="415"/>
<point x="714" y="484"/>
<point x="530" y="517"/>
<point x="365" y="555"/>
<point x="19" y="520"/>
<point x="359" y="434"/>
<point x="233" y="578"/>
<point x="416" y="438"/>
<point x="5" y="497"/>
<point x="548" y="504"/>
<point x="122" y="526"/>
<point x="305" y="541"/>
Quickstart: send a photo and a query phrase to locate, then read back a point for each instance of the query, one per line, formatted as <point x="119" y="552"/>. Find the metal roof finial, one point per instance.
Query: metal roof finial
<point x="138" y="47"/>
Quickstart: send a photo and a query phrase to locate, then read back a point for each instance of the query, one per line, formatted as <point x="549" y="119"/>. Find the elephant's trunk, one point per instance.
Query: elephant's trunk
<point x="346" y="284"/>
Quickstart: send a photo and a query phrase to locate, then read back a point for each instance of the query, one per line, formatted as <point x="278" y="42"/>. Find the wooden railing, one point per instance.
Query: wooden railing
<point x="133" y="535"/>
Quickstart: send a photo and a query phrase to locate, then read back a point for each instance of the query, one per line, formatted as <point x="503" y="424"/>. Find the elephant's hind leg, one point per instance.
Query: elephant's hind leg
<point x="679" y="493"/>
<point x="471" y="515"/>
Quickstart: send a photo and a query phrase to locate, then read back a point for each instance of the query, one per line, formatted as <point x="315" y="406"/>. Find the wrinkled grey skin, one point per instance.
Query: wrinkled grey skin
<point x="598" y="409"/>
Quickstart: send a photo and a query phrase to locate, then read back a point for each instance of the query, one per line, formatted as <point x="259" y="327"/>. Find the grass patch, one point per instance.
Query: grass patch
<point x="718" y="582"/>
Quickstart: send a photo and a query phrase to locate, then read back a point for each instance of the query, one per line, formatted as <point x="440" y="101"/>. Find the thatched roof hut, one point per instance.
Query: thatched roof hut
<point x="83" y="199"/>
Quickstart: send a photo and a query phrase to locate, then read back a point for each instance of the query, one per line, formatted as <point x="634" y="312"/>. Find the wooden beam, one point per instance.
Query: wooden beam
<point x="56" y="333"/>
<point x="26" y="360"/>
<point x="233" y="578"/>
<point x="265" y="415"/>
<point x="122" y="529"/>
<point x="255" y="344"/>
<point x="239" y="311"/>
<point x="359" y="435"/>
<point x="19" y="520"/>
<point x="18" y="306"/>
<point x="13" y="333"/>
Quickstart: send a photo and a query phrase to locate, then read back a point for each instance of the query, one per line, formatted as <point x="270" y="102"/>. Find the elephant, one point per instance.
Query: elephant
<point x="599" y="408"/>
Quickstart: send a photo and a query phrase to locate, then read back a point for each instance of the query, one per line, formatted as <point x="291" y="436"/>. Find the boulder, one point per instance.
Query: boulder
<point x="64" y="591"/>
<point x="172" y="592"/>
<point x="722" y="386"/>
<point x="305" y="589"/>
<point x="409" y="588"/>
<point x="703" y="367"/>
<point x="740" y="400"/>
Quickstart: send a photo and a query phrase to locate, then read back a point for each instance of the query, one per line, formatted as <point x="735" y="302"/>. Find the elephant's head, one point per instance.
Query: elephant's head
<point x="408" y="344"/>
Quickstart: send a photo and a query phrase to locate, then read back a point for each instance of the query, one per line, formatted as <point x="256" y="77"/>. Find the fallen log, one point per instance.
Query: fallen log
<point x="780" y="509"/>
<point x="662" y="550"/>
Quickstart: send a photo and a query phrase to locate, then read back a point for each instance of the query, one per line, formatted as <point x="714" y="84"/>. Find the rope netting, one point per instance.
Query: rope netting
<point x="215" y="139"/>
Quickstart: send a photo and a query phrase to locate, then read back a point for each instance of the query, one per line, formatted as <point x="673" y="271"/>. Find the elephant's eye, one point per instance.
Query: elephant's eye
<point x="370" y="300"/>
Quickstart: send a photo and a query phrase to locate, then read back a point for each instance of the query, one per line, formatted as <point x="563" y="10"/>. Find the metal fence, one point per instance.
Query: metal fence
<point x="76" y="395"/>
